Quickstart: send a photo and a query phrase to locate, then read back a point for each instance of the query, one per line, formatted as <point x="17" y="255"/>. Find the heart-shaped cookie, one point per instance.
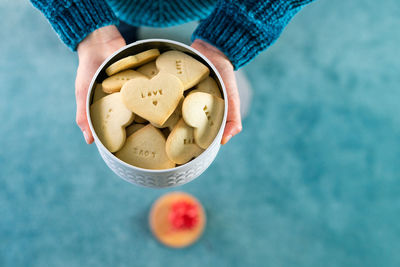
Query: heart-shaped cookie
<point x="132" y="61"/>
<point x="204" y="112"/>
<point x="146" y="149"/>
<point x="149" y="69"/>
<point x="189" y="70"/>
<point x="173" y="119"/>
<point x="180" y="145"/>
<point x="154" y="99"/>
<point x="109" y="117"/>
<point x="114" y="83"/>
<point x="208" y="85"/>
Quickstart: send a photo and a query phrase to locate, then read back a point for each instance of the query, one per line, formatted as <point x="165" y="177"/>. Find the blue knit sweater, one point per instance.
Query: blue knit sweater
<point x="241" y="29"/>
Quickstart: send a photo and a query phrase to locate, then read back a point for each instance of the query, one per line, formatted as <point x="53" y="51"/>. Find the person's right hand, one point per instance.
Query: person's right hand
<point x="92" y="51"/>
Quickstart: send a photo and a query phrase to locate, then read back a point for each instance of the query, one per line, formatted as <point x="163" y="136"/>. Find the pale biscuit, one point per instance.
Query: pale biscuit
<point x="149" y="69"/>
<point x="154" y="99"/>
<point x="109" y="117"/>
<point x="114" y="83"/>
<point x="132" y="61"/>
<point x="189" y="70"/>
<point x="133" y="128"/>
<point x="180" y="145"/>
<point x="173" y="119"/>
<point x="139" y="119"/>
<point x="208" y="85"/>
<point x="146" y="149"/>
<point x="204" y="112"/>
<point x="98" y="92"/>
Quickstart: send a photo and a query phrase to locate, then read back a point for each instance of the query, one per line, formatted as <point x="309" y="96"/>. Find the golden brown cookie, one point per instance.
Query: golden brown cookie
<point x="132" y="61"/>
<point x="109" y="117"/>
<point x="149" y="69"/>
<point x="208" y="85"/>
<point x="189" y="70"/>
<point x="180" y="145"/>
<point x="146" y="149"/>
<point x="114" y="83"/>
<point x="153" y="99"/>
<point x="173" y="119"/>
<point x="204" y="112"/>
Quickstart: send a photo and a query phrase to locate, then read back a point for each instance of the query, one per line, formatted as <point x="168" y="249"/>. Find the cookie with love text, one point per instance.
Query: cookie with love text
<point x="153" y="99"/>
<point x="173" y="119"/>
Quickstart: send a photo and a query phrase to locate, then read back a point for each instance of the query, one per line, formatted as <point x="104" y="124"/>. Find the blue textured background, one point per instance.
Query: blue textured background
<point x="313" y="180"/>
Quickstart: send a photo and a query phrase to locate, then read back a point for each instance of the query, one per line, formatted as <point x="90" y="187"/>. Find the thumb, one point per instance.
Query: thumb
<point x="81" y="90"/>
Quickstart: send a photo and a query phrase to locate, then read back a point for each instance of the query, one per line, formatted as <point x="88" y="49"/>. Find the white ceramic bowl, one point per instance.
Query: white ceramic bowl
<point x="167" y="177"/>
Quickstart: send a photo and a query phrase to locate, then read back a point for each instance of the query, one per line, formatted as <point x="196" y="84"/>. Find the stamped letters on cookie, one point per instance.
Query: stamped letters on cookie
<point x="180" y="145"/>
<point x="146" y="149"/>
<point x="189" y="70"/>
<point x="154" y="99"/>
<point x="204" y="112"/>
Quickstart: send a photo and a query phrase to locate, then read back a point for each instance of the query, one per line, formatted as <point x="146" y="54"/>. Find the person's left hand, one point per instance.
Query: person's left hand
<point x="225" y="69"/>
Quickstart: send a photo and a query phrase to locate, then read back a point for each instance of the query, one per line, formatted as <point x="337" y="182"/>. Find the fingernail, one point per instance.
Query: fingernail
<point x="86" y="136"/>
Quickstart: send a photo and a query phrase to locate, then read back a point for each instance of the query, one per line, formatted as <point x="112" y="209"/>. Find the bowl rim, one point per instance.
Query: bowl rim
<point x="107" y="60"/>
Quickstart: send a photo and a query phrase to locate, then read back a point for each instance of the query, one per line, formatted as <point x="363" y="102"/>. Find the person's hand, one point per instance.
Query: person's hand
<point x="92" y="51"/>
<point x="225" y="69"/>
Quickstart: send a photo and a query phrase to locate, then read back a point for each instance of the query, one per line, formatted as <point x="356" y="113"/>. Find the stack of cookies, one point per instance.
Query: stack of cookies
<point x="156" y="111"/>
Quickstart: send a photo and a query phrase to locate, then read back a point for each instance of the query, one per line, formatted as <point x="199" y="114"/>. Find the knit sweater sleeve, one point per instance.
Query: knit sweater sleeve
<point x="241" y="29"/>
<point x="73" y="20"/>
